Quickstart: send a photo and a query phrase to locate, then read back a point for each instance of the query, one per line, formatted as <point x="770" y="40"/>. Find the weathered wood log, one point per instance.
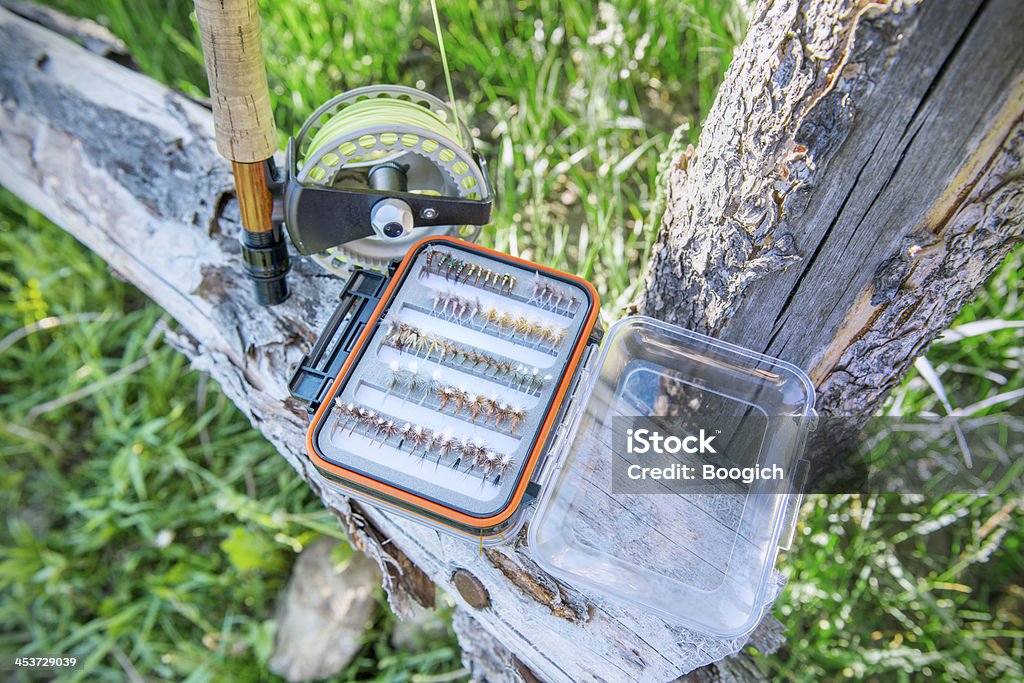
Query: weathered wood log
<point x="130" y="169"/>
<point x="858" y="177"/>
<point x="90" y="35"/>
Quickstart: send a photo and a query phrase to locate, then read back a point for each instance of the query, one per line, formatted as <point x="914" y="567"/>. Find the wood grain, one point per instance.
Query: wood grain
<point x="255" y="202"/>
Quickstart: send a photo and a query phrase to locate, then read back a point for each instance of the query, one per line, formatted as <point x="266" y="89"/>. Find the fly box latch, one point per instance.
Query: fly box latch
<point x="320" y="366"/>
<point x="569" y="415"/>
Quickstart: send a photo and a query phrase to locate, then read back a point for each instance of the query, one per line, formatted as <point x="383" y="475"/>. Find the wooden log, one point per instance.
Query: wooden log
<point x="90" y="35"/>
<point x="130" y="168"/>
<point x="857" y="178"/>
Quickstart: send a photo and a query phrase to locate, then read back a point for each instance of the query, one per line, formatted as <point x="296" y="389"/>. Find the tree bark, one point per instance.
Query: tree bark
<point x="130" y="169"/>
<point x="858" y="177"/>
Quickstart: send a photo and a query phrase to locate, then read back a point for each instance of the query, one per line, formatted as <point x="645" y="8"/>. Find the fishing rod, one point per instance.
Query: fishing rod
<point x="372" y="170"/>
<point x="245" y="133"/>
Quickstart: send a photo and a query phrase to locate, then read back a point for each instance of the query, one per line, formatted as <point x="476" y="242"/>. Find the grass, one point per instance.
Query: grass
<point x="149" y="528"/>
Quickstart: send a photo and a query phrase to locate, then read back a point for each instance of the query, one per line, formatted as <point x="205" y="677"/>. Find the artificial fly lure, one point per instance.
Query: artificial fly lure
<point x="548" y="296"/>
<point x="409" y="339"/>
<point x="461" y="271"/>
<point x="488" y="411"/>
<point x="543" y="293"/>
<point x="471" y="312"/>
<point x="381" y="429"/>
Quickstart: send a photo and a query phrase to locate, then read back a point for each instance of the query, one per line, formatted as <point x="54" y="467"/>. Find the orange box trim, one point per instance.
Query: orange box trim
<point x="542" y="435"/>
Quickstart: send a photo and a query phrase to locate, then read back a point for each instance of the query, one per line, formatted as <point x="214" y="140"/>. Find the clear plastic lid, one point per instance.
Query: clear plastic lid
<point x="697" y="552"/>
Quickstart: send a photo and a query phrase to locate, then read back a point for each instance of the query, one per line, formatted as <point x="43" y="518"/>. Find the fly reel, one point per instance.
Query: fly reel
<point x="374" y="170"/>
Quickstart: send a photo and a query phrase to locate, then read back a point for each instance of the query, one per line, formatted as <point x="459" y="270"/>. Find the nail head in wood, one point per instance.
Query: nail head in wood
<point x="471" y="590"/>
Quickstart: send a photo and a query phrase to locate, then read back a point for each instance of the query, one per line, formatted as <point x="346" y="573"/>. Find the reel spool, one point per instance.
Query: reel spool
<point x="374" y="170"/>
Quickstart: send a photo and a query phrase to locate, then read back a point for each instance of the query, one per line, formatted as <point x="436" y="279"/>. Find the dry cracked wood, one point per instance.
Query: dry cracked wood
<point x="130" y="169"/>
<point x="857" y="178"/>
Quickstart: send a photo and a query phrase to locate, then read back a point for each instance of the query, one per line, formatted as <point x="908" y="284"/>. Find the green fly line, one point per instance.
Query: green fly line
<point x="382" y="112"/>
<point x="414" y="125"/>
<point x="444" y="64"/>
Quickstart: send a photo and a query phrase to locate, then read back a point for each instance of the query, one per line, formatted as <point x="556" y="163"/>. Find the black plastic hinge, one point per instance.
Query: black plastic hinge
<point x="318" y="369"/>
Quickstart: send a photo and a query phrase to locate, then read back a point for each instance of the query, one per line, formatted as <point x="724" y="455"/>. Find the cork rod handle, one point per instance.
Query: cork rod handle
<point x="242" y="118"/>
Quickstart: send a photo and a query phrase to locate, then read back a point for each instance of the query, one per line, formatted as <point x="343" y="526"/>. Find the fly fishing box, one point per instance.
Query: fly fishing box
<point x="466" y="387"/>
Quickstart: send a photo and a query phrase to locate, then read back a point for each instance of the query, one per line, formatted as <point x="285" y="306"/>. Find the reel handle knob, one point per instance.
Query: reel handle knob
<point x="392" y="218"/>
